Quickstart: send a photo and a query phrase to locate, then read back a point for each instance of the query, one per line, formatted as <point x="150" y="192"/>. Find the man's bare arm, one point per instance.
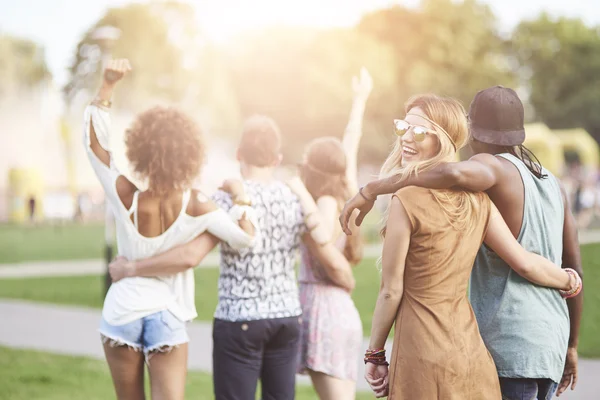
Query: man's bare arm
<point x="480" y="173"/>
<point x="571" y="258"/>
<point x="170" y="262"/>
<point x="477" y="174"/>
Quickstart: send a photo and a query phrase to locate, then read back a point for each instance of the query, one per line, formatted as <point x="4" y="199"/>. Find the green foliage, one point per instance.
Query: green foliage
<point x="144" y="40"/>
<point x="560" y="62"/>
<point x="302" y="78"/>
<point x="445" y="47"/>
<point x="171" y="63"/>
<point x="22" y="64"/>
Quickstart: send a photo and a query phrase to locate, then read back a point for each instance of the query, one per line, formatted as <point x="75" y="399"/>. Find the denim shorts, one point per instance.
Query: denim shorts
<point x="160" y="331"/>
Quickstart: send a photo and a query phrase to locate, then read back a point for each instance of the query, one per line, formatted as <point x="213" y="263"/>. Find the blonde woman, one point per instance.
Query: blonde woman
<point x="431" y="239"/>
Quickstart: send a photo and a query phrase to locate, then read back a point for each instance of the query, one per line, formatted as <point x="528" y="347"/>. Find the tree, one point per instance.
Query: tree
<point x="559" y="59"/>
<point x="144" y="40"/>
<point x="302" y="78"/>
<point x="445" y="47"/>
<point x="22" y="65"/>
<point x="172" y="63"/>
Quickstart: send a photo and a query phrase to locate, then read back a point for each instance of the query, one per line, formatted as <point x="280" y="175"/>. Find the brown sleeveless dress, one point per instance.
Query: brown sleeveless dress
<point x="438" y="352"/>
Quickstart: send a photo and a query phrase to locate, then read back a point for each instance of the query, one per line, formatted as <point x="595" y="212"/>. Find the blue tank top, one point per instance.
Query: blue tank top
<point x="524" y="326"/>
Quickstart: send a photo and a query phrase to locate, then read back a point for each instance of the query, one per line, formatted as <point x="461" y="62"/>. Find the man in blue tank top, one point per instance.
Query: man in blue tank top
<point x="530" y="331"/>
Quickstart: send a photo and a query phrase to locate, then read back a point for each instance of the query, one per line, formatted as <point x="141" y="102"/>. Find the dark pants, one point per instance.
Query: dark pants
<point x="244" y="352"/>
<point x="527" y="389"/>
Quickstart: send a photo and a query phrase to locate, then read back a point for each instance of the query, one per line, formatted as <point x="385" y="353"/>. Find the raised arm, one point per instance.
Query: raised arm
<point x="97" y="136"/>
<point x="571" y="258"/>
<point x="480" y="173"/>
<point x="362" y="87"/>
<point x="530" y="266"/>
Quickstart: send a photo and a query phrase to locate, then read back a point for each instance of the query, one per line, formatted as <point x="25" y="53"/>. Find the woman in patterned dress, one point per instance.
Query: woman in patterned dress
<point x="332" y="331"/>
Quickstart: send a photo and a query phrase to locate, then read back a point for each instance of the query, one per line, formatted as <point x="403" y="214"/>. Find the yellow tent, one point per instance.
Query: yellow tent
<point x="24" y="184"/>
<point x="581" y="142"/>
<point x="542" y="142"/>
<point x="546" y="146"/>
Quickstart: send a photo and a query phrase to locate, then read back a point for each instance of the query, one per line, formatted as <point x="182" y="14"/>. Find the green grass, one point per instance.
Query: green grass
<point x="51" y="242"/>
<point x="88" y="290"/>
<point x="70" y="241"/>
<point x="589" y="335"/>
<point x="27" y="375"/>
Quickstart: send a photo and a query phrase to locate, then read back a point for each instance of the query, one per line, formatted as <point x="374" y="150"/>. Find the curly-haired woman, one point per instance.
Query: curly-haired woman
<point x="144" y="315"/>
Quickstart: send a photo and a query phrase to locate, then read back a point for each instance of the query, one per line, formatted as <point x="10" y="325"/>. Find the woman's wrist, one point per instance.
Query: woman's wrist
<point x="375" y="356"/>
<point x="131" y="269"/>
<point x="575" y="284"/>
<point x="105" y="92"/>
<point x="366" y="194"/>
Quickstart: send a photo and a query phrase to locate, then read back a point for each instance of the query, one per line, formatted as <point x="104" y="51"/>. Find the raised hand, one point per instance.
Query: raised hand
<point x="362" y="84"/>
<point x="115" y="70"/>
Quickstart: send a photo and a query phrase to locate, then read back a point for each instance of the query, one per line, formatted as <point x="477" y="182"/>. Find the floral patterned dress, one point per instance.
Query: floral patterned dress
<point x="331" y="336"/>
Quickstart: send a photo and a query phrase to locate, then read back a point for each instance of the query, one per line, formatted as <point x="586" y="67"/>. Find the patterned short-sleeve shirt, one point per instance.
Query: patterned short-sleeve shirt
<point x="260" y="282"/>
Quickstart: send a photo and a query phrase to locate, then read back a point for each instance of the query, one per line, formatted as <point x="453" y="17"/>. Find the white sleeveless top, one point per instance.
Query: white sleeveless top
<point x="133" y="298"/>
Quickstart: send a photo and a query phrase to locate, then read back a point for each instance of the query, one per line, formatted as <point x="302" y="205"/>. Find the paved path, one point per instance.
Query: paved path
<point x="98" y="267"/>
<point x="72" y="331"/>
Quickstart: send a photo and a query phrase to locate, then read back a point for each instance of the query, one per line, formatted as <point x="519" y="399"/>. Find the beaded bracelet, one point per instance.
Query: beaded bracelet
<point x="572" y="290"/>
<point x="567" y="294"/>
<point x="376" y="357"/>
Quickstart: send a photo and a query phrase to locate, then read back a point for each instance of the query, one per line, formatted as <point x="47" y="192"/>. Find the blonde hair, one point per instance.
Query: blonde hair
<point x="459" y="206"/>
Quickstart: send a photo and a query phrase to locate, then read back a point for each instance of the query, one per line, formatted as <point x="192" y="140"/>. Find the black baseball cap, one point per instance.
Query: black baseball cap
<point x="497" y="116"/>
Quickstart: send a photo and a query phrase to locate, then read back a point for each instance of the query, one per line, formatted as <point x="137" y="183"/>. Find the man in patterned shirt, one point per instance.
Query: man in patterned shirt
<point x="257" y="322"/>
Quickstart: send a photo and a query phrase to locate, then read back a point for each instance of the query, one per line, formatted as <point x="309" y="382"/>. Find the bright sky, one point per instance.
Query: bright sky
<point x="59" y="24"/>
